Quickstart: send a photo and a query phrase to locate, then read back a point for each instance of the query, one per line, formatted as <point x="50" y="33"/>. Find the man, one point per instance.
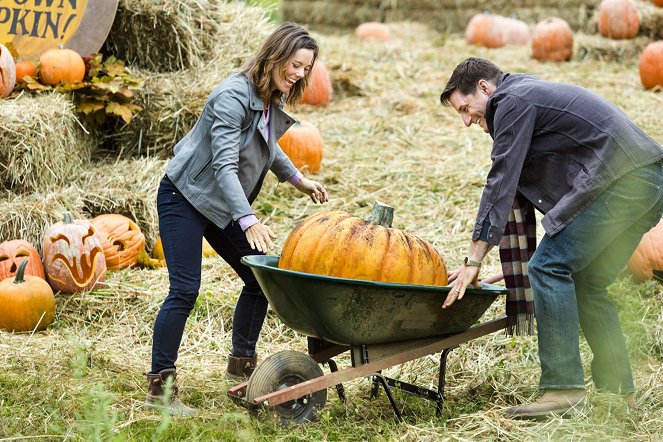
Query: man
<point x="598" y="180"/>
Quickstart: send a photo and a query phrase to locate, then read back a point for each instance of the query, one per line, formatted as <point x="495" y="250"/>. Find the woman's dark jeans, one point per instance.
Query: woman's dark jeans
<point x="182" y="229"/>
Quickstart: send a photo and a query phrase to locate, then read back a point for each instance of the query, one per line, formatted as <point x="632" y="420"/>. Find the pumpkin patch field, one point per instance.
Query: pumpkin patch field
<point x="373" y="130"/>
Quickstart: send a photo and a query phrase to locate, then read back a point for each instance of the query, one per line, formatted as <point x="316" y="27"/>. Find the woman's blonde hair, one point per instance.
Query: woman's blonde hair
<point x="275" y="52"/>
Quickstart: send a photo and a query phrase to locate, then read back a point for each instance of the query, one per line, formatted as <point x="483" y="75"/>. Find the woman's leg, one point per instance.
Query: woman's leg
<point x="231" y="244"/>
<point x="181" y="228"/>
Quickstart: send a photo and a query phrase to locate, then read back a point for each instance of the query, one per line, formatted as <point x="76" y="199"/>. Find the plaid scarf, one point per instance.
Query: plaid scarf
<point x="516" y="248"/>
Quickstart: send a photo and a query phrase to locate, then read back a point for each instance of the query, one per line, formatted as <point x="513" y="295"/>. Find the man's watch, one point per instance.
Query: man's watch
<point x="471" y="262"/>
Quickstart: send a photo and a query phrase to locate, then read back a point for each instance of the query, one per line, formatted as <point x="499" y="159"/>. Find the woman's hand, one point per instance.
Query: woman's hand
<point x="313" y="189"/>
<point x="260" y="237"/>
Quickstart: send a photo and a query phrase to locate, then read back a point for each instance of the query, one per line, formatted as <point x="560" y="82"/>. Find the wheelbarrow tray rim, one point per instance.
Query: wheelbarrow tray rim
<point x="270" y="263"/>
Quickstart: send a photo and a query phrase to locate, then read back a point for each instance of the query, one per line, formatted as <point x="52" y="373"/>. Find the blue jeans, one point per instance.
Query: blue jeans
<point x="182" y="229"/>
<point x="570" y="273"/>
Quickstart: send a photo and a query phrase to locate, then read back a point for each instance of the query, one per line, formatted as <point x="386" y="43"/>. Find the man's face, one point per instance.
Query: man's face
<point x="471" y="107"/>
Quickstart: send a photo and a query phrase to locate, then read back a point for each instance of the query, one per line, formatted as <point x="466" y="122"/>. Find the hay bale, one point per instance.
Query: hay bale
<point x="443" y="15"/>
<point x="171" y="35"/>
<point x="596" y="47"/>
<point x="127" y="187"/>
<point x="28" y="216"/>
<point x="42" y="142"/>
<point x="331" y="13"/>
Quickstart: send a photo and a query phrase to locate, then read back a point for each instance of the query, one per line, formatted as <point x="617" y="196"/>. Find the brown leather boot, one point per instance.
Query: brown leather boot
<point x="240" y="368"/>
<point x="559" y="402"/>
<point x="156" y="394"/>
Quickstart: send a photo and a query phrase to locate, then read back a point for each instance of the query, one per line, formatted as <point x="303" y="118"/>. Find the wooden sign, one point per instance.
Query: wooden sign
<point x="35" y="26"/>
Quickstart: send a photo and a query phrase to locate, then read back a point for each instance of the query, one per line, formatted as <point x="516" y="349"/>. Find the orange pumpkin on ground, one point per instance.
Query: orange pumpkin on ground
<point x="61" y="66"/>
<point x="121" y="239"/>
<point x="302" y="143"/>
<point x="648" y="256"/>
<point x="619" y="19"/>
<point x="484" y="30"/>
<point x="552" y="40"/>
<point x="13" y="253"/>
<point x="651" y="65"/>
<point x="373" y="31"/>
<point x="27" y="302"/>
<point x="657" y="2"/>
<point x="335" y="243"/>
<point x="24" y="68"/>
<point x="73" y="257"/>
<point x="516" y="32"/>
<point x="318" y="91"/>
<point x="7" y="72"/>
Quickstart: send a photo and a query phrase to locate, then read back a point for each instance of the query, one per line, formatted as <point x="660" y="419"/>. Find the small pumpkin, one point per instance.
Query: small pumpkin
<point x="27" y="302"/>
<point x="373" y="31"/>
<point x="302" y="143"/>
<point x="25" y="68"/>
<point x="552" y="40"/>
<point x="318" y="91"/>
<point x="335" y="243"/>
<point x="73" y="257"/>
<point x="61" y="65"/>
<point x="484" y="30"/>
<point x="651" y="65"/>
<point x="618" y="19"/>
<point x="13" y="253"/>
<point x="121" y="239"/>
<point x="648" y="256"/>
<point x="7" y="72"/>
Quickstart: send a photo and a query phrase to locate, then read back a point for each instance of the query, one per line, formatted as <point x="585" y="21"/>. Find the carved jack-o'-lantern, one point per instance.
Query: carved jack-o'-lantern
<point x="121" y="239"/>
<point x="73" y="257"/>
<point x="13" y="252"/>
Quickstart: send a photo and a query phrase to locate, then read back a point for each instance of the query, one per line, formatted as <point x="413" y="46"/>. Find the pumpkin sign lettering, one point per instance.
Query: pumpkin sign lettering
<point x="13" y="253"/>
<point x="73" y="256"/>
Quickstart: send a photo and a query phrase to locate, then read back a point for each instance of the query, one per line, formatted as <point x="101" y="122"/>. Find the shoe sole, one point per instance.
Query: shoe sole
<point x="541" y="415"/>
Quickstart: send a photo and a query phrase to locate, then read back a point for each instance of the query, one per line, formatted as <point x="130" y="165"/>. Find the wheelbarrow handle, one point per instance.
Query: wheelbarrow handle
<point x="493" y="279"/>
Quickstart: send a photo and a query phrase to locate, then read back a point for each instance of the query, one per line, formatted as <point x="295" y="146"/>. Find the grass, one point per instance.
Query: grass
<point x="386" y="137"/>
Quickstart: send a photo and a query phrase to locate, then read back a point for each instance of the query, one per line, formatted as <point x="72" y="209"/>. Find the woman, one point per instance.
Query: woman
<point x="215" y="175"/>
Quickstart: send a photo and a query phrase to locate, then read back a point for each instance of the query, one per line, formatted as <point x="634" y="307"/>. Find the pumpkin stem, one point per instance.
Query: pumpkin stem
<point x="68" y="218"/>
<point x="382" y="215"/>
<point x="19" y="279"/>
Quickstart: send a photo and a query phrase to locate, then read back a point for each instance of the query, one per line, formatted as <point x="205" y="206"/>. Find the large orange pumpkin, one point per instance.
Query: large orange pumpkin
<point x="651" y="65"/>
<point x="302" y="143"/>
<point x="121" y="239"/>
<point x="13" y="253"/>
<point x="27" y="302"/>
<point x="373" y="31"/>
<point x="657" y="2"/>
<point x="61" y="66"/>
<point x="73" y="257"/>
<point x="648" y="256"/>
<point x="335" y="243"/>
<point x="7" y="72"/>
<point x="516" y="32"/>
<point x="618" y="19"/>
<point x="552" y="40"/>
<point x="318" y="91"/>
<point x="484" y="30"/>
<point x="25" y="68"/>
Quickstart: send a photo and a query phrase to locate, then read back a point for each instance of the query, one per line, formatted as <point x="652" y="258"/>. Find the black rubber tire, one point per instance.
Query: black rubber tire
<point x="284" y="369"/>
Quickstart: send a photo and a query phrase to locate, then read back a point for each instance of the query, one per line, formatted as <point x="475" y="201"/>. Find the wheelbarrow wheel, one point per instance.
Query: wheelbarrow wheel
<point x="285" y="369"/>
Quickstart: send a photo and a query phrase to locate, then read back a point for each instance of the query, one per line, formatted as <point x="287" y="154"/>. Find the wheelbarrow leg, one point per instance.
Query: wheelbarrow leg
<point x="339" y="387"/>
<point x="441" y="380"/>
<point x="377" y="377"/>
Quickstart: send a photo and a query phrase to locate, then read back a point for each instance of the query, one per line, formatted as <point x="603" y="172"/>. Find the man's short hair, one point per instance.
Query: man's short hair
<point x="466" y="76"/>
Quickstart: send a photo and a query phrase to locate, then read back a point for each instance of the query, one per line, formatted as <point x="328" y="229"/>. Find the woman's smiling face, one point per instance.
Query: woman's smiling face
<point x="296" y="68"/>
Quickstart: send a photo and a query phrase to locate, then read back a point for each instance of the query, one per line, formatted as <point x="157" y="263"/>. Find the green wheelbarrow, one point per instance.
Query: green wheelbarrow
<point x="380" y="324"/>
